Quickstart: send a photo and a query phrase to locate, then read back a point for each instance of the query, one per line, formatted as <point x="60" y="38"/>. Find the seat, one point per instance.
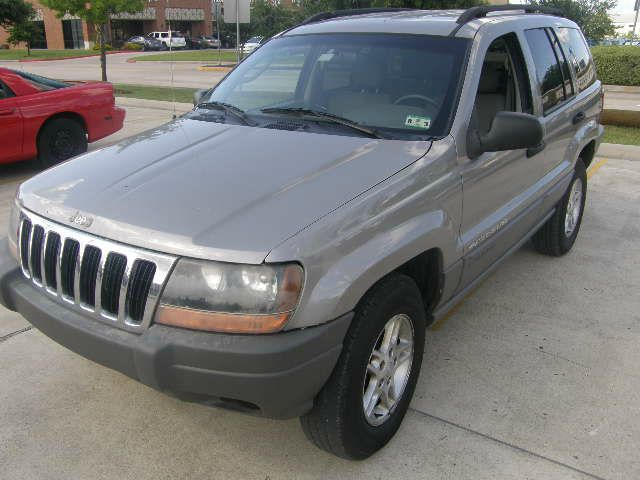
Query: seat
<point x="365" y="89"/>
<point x="492" y="95"/>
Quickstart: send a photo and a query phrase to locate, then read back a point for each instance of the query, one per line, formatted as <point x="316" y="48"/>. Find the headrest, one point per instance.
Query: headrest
<point x="493" y="78"/>
<point x="367" y="74"/>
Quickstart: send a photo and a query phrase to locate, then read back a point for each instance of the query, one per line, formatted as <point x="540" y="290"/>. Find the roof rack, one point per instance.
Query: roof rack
<point x="318" y="17"/>
<point x="482" y="11"/>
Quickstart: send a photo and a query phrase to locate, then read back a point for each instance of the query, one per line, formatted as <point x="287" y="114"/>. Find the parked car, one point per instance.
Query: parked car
<point x="169" y="39"/>
<point x="281" y="249"/>
<point x="52" y="120"/>
<point x="251" y="44"/>
<point x="208" y="41"/>
<point x="147" y="43"/>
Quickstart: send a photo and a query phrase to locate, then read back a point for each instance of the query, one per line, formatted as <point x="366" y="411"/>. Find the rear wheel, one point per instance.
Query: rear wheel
<point x="364" y="401"/>
<point x="557" y="236"/>
<point x="59" y="140"/>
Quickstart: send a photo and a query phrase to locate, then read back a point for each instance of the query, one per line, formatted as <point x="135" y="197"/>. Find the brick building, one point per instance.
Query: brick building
<point x="188" y="16"/>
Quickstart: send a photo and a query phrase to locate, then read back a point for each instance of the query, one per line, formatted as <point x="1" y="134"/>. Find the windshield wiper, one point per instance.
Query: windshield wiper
<point x="325" y="116"/>
<point x="228" y="108"/>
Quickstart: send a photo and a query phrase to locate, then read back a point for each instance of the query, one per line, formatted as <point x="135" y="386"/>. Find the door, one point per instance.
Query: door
<point x="10" y="126"/>
<point x="499" y="188"/>
<point x="555" y="88"/>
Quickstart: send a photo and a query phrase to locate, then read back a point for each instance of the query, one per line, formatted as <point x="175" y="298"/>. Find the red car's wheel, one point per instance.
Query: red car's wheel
<point x="59" y="140"/>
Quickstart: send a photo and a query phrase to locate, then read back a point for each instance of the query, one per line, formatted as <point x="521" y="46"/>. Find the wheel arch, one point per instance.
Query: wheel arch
<point x="588" y="153"/>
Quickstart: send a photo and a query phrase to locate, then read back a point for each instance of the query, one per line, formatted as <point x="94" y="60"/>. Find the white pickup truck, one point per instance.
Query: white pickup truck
<point x="169" y="39"/>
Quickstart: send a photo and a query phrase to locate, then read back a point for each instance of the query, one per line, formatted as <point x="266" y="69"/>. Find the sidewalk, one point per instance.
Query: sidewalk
<point x="619" y="152"/>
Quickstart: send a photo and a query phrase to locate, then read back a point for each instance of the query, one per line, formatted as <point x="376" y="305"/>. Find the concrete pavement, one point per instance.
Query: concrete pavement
<point x="534" y="376"/>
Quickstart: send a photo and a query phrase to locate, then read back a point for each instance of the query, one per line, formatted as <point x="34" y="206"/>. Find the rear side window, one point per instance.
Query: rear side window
<point x="5" y="92"/>
<point x="548" y="70"/>
<point x="578" y="55"/>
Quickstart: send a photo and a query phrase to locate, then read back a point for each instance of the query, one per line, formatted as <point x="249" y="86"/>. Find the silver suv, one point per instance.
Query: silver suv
<point x="281" y="249"/>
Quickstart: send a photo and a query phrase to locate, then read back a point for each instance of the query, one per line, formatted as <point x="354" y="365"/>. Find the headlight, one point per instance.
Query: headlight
<point x="14" y="225"/>
<point x="232" y="298"/>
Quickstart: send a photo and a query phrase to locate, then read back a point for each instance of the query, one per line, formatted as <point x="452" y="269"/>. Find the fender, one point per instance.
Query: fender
<point x="349" y="250"/>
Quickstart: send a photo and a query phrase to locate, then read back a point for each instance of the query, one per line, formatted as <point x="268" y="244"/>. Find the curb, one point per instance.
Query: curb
<point x="621" y="88"/>
<point x="623" y="118"/>
<point x="216" y="68"/>
<point x="29" y="60"/>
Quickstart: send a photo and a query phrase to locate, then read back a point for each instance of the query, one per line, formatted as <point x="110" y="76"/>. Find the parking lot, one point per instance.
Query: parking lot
<point x="533" y="376"/>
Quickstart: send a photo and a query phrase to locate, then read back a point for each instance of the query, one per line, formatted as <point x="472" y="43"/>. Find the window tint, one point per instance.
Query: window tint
<point x="547" y="68"/>
<point x="566" y="75"/>
<point x="405" y="84"/>
<point x="578" y="55"/>
<point x="5" y="92"/>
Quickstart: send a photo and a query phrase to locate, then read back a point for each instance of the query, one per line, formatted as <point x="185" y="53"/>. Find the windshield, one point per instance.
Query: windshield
<point x="400" y="84"/>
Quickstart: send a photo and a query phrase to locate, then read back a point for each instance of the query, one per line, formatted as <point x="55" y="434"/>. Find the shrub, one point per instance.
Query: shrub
<point x="132" y="46"/>
<point x="107" y="47"/>
<point x="4" y="46"/>
<point x="617" y="65"/>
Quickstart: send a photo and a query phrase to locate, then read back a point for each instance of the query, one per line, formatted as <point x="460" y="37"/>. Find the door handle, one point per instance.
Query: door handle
<point x="536" y="150"/>
<point x="578" y="118"/>
<point x="7" y="111"/>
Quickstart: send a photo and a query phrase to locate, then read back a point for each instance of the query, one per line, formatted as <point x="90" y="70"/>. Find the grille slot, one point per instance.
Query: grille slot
<point x="141" y="277"/>
<point x="106" y="280"/>
<point x="88" y="275"/>
<point x="114" y="269"/>
<point x="37" y="238"/>
<point x="51" y="253"/>
<point x="68" y="266"/>
<point x="25" y="234"/>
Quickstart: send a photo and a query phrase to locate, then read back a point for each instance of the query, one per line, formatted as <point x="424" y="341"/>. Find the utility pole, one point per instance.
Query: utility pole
<point x="238" y="30"/>
<point x="635" y="22"/>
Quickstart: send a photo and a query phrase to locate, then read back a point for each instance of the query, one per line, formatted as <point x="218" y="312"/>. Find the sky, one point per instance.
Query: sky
<point x="625" y="6"/>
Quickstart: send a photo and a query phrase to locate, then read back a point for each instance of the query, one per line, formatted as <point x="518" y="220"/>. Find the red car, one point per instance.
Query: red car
<point x="52" y="120"/>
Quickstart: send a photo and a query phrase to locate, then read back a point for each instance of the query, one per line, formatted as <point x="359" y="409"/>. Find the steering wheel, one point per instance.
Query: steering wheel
<point x="427" y="100"/>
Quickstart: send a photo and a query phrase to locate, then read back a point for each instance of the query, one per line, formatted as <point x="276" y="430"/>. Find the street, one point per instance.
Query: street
<point x="186" y="74"/>
<point x="534" y="375"/>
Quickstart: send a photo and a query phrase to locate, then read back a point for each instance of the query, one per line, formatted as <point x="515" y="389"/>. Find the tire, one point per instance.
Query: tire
<point x="557" y="236"/>
<point x="338" y="423"/>
<point x="59" y="140"/>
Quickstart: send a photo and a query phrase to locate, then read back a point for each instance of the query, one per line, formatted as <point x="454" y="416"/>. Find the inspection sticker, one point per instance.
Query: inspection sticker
<point x="415" y="121"/>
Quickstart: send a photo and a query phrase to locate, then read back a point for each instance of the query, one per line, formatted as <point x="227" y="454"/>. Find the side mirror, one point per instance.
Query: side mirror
<point x="509" y="131"/>
<point x="197" y="96"/>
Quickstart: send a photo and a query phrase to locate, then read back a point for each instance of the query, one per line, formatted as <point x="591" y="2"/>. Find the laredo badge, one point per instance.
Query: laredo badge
<point x="415" y="121"/>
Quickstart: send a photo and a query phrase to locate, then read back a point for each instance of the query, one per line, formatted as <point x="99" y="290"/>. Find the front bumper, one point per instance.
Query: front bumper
<point x="274" y="375"/>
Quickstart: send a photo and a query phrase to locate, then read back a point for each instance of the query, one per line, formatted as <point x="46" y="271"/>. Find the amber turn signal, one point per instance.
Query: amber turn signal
<point x="220" y="322"/>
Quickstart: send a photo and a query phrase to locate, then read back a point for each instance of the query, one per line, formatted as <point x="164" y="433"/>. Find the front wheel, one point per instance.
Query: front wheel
<point x="557" y="236"/>
<point x="364" y="401"/>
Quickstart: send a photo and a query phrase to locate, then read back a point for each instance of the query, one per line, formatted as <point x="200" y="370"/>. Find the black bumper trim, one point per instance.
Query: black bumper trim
<point x="279" y="373"/>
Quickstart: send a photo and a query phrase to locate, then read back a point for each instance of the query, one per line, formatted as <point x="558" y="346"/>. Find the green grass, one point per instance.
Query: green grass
<point x="19" y="54"/>
<point x="205" y="56"/>
<point x="184" y="95"/>
<point x="622" y="135"/>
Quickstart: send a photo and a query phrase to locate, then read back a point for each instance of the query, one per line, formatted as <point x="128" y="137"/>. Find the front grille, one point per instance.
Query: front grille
<point x="110" y="281"/>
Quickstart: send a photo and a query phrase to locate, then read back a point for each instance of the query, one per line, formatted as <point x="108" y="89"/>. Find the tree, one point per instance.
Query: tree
<point x="13" y="12"/>
<point x="24" y="32"/>
<point x="592" y="15"/>
<point x="97" y="12"/>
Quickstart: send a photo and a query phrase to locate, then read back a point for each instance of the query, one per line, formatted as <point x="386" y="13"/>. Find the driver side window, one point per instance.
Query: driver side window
<point x="504" y="83"/>
<point x="5" y="92"/>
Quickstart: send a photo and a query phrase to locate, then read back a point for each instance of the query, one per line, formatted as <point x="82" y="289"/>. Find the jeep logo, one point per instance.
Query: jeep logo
<point x="81" y="220"/>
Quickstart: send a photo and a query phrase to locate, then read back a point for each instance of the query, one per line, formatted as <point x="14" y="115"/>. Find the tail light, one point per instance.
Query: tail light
<point x="598" y="117"/>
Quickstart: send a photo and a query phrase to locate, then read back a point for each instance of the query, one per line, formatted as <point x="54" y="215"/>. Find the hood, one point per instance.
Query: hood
<point x="214" y="191"/>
